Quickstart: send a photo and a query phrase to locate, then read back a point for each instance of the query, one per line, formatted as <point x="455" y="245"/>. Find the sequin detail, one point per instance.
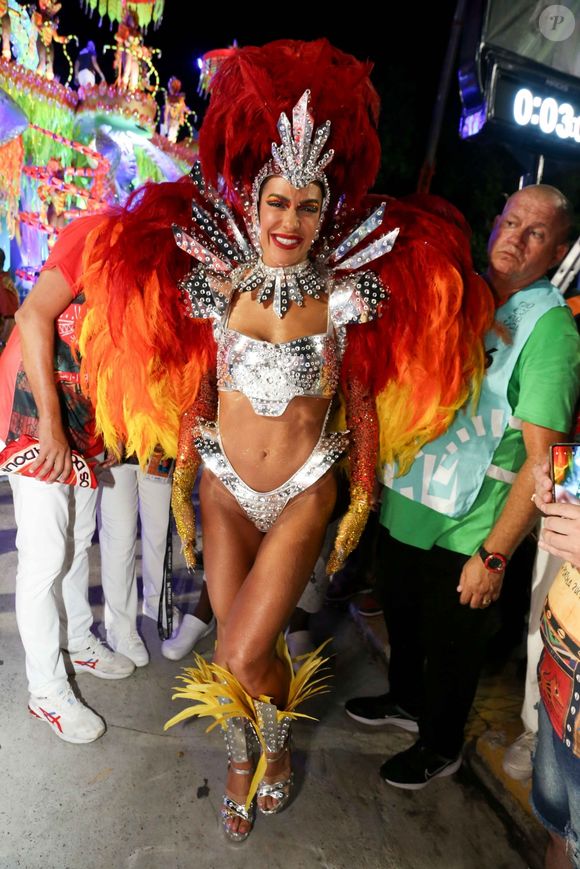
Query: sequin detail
<point x="264" y="508"/>
<point x="227" y="258"/>
<point x="271" y="375"/>
<point x="350" y="528"/>
<point x="298" y="157"/>
<point x="284" y="285"/>
<point x="188" y="462"/>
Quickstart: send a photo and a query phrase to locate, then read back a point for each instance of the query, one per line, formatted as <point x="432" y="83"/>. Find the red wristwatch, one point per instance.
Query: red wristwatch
<point x="495" y="562"/>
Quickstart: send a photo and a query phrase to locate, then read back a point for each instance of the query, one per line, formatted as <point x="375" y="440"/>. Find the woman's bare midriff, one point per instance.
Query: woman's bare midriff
<point x="264" y="450"/>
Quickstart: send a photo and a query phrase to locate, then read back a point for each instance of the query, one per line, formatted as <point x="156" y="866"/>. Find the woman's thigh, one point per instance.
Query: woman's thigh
<point x="282" y="565"/>
<point x="230" y="544"/>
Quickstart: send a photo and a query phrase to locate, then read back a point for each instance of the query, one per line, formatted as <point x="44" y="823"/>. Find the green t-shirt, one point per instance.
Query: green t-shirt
<point x="542" y="390"/>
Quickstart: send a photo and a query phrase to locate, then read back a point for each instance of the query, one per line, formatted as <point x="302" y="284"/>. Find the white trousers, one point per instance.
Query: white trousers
<point x="55" y="525"/>
<point x="126" y="493"/>
<point x="546" y="567"/>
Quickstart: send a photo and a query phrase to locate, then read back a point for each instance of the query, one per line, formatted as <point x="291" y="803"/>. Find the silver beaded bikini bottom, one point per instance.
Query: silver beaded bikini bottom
<point x="264" y="508"/>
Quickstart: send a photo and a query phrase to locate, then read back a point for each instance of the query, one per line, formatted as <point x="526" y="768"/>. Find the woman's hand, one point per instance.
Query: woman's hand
<point x="187" y="465"/>
<point x="182" y="506"/>
<point x="560" y="533"/>
<point x="189" y="554"/>
<point x="362" y="422"/>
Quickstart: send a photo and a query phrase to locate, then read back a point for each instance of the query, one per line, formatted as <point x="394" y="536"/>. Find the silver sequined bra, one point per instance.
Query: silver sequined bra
<point x="271" y="375"/>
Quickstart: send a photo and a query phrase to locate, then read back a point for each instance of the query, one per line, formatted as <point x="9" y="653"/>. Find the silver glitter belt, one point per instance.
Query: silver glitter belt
<point x="264" y="508"/>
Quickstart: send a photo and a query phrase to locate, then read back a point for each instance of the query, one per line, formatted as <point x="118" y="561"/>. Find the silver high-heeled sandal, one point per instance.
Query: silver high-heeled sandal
<point x="277" y="737"/>
<point x="237" y="747"/>
<point x="279" y="790"/>
<point x="266" y="727"/>
<point x="231" y="810"/>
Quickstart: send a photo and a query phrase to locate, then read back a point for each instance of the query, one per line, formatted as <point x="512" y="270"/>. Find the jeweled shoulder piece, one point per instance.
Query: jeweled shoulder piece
<point x="356" y="296"/>
<point x="220" y="247"/>
<point x="356" y="299"/>
<point x="199" y="298"/>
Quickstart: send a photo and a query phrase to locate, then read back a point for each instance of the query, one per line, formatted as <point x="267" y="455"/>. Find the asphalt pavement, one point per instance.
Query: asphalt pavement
<point x="142" y="798"/>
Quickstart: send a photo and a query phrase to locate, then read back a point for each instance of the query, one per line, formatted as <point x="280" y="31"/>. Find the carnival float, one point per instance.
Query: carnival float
<point x="74" y="146"/>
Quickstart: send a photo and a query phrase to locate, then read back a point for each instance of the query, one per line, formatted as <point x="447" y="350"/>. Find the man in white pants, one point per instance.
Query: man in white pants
<point x="40" y="397"/>
<point x="126" y="493"/>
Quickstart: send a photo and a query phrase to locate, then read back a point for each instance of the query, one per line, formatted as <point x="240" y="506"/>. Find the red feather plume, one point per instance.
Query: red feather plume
<point x="142" y="359"/>
<point x="255" y="85"/>
<point x="424" y="357"/>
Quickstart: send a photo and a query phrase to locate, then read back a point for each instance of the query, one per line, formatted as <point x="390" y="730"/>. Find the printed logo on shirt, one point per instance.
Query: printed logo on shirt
<point x="66" y="323"/>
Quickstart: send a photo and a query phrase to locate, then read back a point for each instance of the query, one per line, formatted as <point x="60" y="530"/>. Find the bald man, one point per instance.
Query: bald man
<point x="450" y="525"/>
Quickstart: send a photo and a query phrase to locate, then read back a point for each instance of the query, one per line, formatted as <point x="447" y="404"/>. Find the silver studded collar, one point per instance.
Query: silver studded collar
<point x="283" y="284"/>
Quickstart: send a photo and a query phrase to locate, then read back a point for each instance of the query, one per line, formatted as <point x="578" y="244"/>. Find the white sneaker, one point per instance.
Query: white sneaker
<point x="97" y="659"/>
<point x="188" y="634"/>
<point x="131" y="646"/>
<point x="70" y="719"/>
<point x="517" y="761"/>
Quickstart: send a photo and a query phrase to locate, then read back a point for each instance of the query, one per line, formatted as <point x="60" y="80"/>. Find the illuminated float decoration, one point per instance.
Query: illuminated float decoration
<point x="65" y="152"/>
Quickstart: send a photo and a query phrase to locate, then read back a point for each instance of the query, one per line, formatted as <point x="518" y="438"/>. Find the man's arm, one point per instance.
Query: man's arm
<point x="514" y="522"/>
<point x="36" y="318"/>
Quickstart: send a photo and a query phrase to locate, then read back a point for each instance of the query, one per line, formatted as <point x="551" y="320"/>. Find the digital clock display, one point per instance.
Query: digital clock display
<point x="545" y="112"/>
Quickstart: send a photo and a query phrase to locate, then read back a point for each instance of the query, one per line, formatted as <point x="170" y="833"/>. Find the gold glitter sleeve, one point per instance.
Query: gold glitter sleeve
<point x="187" y="466"/>
<point x="363" y="424"/>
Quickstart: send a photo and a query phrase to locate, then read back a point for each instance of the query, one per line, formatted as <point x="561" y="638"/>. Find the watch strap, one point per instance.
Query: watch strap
<point x="485" y="555"/>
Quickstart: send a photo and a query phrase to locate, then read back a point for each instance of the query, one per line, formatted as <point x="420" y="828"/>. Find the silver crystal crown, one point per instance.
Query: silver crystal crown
<point x="298" y="155"/>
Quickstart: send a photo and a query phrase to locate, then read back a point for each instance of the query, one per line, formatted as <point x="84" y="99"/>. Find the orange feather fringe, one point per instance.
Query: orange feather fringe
<point x="142" y="359"/>
<point x="423" y="359"/>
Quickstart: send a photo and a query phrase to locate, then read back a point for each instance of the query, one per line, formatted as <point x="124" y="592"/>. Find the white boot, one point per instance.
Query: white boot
<point x="182" y="641"/>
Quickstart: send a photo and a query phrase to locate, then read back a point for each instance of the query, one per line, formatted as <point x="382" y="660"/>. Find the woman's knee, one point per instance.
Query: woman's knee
<point x="249" y="664"/>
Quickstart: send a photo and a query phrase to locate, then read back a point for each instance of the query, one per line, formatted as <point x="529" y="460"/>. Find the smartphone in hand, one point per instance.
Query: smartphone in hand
<point x="565" y="472"/>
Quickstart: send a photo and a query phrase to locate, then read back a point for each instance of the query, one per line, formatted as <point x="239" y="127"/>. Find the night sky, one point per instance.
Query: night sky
<point x="408" y="52"/>
<point x="411" y="37"/>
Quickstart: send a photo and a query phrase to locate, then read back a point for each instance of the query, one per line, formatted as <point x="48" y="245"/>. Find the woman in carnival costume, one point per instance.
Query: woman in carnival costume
<point x="304" y="330"/>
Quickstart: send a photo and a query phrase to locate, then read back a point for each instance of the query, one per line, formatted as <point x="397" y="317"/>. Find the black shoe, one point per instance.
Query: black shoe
<point x="415" y="768"/>
<point x="380" y="711"/>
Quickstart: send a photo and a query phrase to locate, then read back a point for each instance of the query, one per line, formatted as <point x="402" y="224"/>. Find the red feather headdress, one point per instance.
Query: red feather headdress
<point x="255" y="85"/>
